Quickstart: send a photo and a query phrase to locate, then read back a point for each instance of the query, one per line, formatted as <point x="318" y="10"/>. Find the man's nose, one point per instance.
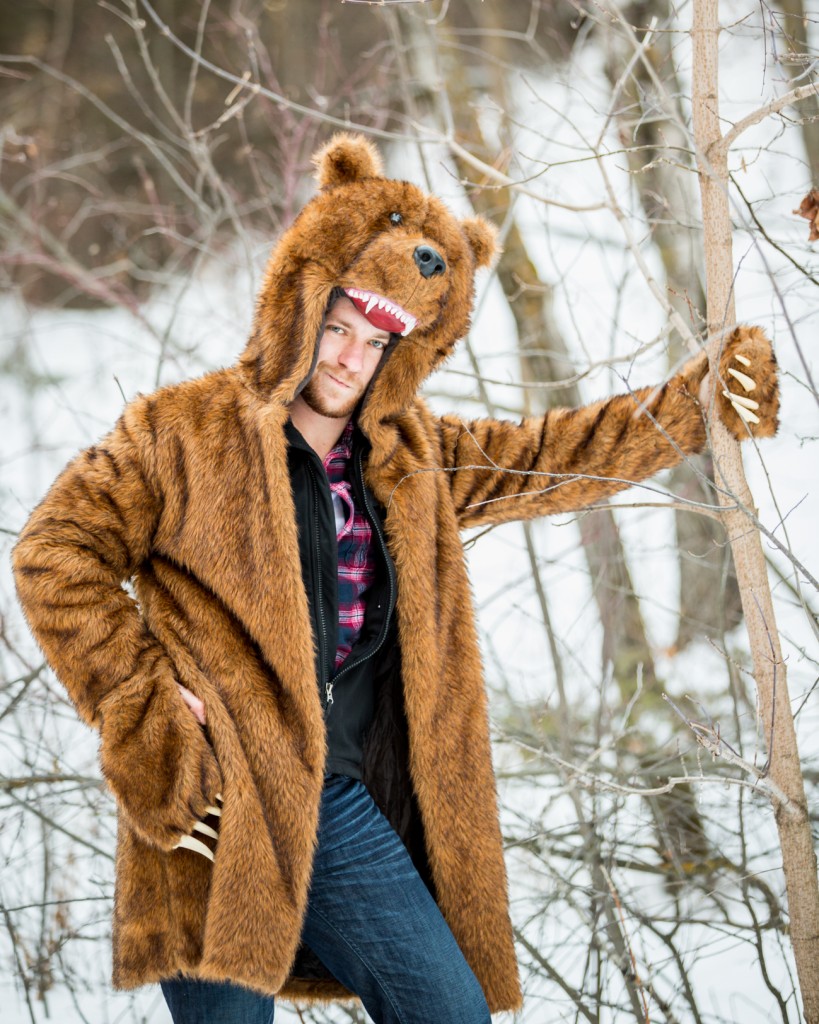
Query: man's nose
<point x="351" y="356"/>
<point x="428" y="261"/>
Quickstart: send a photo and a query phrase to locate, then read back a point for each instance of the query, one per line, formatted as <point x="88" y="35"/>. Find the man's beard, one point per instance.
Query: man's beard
<point x="340" y="409"/>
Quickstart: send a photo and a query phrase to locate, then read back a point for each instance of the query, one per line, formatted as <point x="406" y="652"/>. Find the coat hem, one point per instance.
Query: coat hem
<point x="306" y="991"/>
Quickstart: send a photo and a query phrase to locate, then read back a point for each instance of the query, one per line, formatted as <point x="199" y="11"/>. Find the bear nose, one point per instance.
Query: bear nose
<point x="428" y="261"/>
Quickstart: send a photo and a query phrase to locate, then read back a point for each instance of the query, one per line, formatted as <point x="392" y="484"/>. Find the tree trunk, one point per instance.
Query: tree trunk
<point x="798" y="856"/>
<point x="796" y="59"/>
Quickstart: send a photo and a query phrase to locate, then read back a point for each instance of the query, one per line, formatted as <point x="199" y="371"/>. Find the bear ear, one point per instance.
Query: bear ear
<point x="346" y="158"/>
<point x="483" y="240"/>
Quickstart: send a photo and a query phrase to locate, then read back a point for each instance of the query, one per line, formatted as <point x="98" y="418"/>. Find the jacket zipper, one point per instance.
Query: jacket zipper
<point x="390" y="575"/>
<point x="322" y="639"/>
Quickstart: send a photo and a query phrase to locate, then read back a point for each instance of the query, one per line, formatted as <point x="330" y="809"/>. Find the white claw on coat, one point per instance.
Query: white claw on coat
<point x="189" y="843"/>
<point x="214" y="810"/>
<point x="743" y="379"/>
<point x="206" y="830"/>
<point x="744" y="360"/>
<point x="749" y="403"/>
<point x="745" y="414"/>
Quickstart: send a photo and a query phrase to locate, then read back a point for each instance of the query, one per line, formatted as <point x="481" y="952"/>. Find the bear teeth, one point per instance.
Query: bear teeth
<point x="373" y="300"/>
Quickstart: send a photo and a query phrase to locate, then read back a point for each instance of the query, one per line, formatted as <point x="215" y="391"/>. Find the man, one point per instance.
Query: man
<point x="370" y="918"/>
<point x="295" y="676"/>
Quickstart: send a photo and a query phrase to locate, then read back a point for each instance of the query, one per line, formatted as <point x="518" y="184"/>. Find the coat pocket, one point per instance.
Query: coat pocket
<point x="157" y="761"/>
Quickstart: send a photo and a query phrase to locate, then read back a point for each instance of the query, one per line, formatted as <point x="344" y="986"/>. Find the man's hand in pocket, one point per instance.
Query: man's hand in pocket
<point x="196" y="705"/>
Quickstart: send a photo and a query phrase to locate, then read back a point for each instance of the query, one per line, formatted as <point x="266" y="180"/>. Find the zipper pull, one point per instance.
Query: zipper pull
<point x="328" y="692"/>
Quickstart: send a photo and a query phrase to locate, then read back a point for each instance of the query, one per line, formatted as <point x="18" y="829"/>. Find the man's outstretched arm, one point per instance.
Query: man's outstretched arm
<point x="85" y="539"/>
<point x="569" y="459"/>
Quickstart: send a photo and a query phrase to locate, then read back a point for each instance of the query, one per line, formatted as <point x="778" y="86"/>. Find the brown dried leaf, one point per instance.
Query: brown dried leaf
<point x="809" y="209"/>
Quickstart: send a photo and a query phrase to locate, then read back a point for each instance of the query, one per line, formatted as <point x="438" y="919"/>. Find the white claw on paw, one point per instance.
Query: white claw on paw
<point x="220" y="798"/>
<point x="745" y="414"/>
<point x="743" y="379"/>
<point x="744" y="360"/>
<point x="206" y="830"/>
<point x="749" y="403"/>
<point x="214" y="810"/>
<point x="189" y="843"/>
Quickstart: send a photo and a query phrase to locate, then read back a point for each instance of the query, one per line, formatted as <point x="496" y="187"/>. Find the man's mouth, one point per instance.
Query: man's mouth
<point x="382" y="313"/>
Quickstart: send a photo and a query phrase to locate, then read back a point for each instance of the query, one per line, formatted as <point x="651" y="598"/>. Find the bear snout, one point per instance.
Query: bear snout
<point x="430" y="262"/>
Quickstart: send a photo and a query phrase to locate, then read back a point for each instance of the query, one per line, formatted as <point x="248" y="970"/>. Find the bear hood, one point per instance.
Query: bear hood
<point x="386" y="243"/>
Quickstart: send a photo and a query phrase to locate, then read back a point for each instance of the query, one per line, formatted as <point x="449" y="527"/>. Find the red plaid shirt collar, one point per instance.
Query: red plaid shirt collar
<point x="343" y="448"/>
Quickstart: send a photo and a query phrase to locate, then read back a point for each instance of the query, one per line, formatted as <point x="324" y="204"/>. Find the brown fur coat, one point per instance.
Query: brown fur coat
<point x="189" y="497"/>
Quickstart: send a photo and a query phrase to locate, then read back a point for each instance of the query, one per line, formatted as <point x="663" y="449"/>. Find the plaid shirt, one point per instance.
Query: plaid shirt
<point x="356" y="561"/>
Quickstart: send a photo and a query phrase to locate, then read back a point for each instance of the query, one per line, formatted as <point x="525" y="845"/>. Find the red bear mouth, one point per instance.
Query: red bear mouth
<point x="382" y="313"/>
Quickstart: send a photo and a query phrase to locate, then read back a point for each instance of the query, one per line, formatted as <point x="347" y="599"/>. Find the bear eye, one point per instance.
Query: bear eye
<point x="396" y="219"/>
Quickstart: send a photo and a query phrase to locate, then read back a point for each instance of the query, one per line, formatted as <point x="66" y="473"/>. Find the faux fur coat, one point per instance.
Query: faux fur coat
<point x="188" y="497"/>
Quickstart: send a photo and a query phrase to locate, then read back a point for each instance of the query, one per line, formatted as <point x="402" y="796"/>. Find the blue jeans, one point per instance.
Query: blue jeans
<point x="370" y="920"/>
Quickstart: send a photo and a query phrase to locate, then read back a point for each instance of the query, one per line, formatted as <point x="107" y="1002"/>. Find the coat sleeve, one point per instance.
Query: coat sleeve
<point x="82" y="543"/>
<point x="569" y="459"/>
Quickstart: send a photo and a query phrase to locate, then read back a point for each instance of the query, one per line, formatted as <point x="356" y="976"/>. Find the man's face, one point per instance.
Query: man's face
<point x="349" y="352"/>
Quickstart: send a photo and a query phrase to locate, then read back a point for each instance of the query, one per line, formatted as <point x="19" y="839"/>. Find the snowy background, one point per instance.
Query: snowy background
<point x="67" y="373"/>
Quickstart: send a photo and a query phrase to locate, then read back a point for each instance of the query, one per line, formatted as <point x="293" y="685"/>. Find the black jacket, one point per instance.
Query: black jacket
<point x="348" y="694"/>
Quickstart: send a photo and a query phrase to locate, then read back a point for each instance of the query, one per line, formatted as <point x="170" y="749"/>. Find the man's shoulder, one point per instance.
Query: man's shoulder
<point x="208" y="411"/>
<point x="415" y="431"/>
<point x="418" y="420"/>
<point x="418" y="411"/>
<point x="192" y="404"/>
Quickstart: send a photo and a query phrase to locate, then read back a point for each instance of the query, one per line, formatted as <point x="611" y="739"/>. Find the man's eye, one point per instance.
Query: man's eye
<point x="396" y="219"/>
<point x="378" y="343"/>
